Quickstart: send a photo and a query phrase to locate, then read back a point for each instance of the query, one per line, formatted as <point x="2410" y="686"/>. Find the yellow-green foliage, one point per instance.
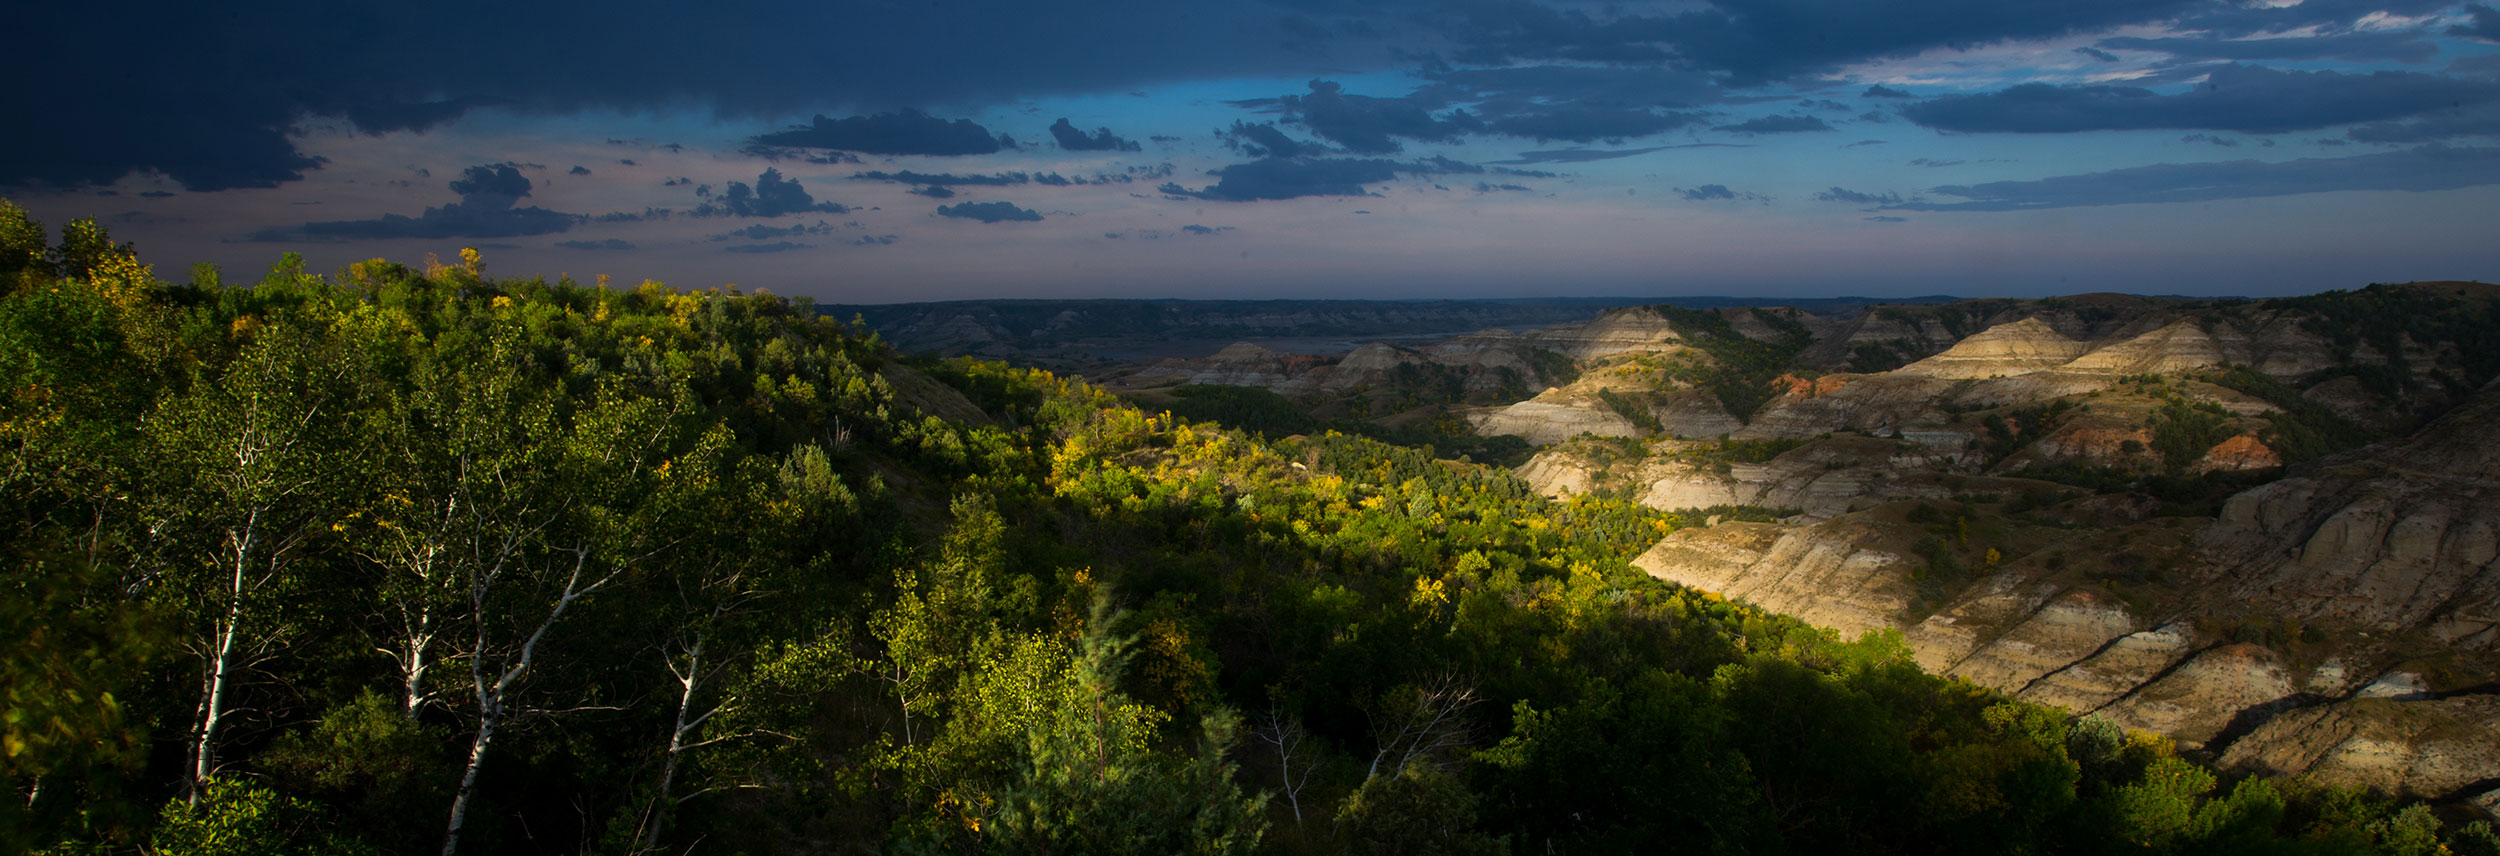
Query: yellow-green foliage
<point x="826" y="619"/>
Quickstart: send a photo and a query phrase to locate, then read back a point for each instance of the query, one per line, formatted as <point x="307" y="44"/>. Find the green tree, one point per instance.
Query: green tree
<point x="236" y="818"/>
<point x="1088" y="781"/>
<point x="388" y="776"/>
<point x="1419" y="810"/>
<point x="251" y="456"/>
<point x="2160" y="808"/>
<point x="578" y="519"/>
<point x="21" y="248"/>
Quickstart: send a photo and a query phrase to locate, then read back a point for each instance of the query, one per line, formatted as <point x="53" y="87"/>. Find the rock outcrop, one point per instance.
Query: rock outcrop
<point x="2425" y="749"/>
<point x="2378" y="553"/>
<point x="1613" y="332"/>
<point x="2390" y="538"/>
<point x="2018" y="348"/>
<point x="1553" y="418"/>
<point x="2180" y="346"/>
<point x="1834" y="582"/>
<point x="1241" y="364"/>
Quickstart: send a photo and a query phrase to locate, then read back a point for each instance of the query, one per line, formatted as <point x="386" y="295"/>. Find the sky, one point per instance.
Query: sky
<point x="871" y="151"/>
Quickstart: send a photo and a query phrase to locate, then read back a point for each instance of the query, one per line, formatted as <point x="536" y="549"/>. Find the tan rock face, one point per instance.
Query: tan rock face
<point x="1831" y="582"/>
<point x="1243" y="364"/>
<point x="1614" y="332"/>
<point x="1552" y="420"/>
<point x="2366" y="559"/>
<point x="2070" y="628"/>
<point x="2018" y="348"/>
<point x="2388" y="538"/>
<point x="2195" y="701"/>
<point x="1694" y="413"/>
<point x="2423" y="749"/>
<point x="2182" y="346"/>
<point x="1874" y="403"/>
<point x="1949" y="635"/>
<point x="2113" y="672"/>
<point x="1821" y="479"/>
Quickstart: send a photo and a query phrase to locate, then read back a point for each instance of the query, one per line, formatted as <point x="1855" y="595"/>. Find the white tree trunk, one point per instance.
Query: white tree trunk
<point x="468" y="782"/>
<point x="414" y="662"/>
<point x="687" y="722"/>
<point x="221" y="663"/>
<point x="493" y="700"/>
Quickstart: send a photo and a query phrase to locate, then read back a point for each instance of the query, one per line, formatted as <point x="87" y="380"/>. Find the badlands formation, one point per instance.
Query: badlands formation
<point x="2095" y="511"/>
<point x="2267" y="529"/>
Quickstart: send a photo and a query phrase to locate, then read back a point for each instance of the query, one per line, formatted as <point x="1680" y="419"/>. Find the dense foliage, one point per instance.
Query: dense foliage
<point x="2398" y="324"/>
<point x="2302" y="429"/>
<point x="1741" y="368"/>
<point x="405" y="560"/>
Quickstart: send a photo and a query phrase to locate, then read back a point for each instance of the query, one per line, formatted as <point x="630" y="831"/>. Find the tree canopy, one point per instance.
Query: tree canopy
<point x="402" y="560"/>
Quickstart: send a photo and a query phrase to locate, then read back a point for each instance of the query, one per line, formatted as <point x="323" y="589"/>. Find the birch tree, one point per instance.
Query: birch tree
<point x="574" y="517"/>
<point x="252" y="455"/>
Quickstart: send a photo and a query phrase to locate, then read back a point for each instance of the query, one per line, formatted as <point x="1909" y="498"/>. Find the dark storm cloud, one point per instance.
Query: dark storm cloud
<point x="2477" y="121"/>
<point x="989" y="212"/>
<point x="1589" y="124"/>
<point x="609" y="244"/>
<point x="2486" y="24"/>
<point x="1581" y="73"/>
<point x="761" y="232"/>
<point x="1885" y="218"/>
<point x="772" y="196"/>
<point x="382" y="117"/>
<point x="1102" y="140"/>
<point x="1706" y="192"/>
<point x="1576" y="103"/>
<point x="1765" y="40"/>
<point x="2097" y="53"/>
<point x="933" y="192"/>
<point x="904" y="132"/>
<point x="1504" y="30"/>
<point x="1881" y="91"/>
<point x="2237" y="98"/>
<point x="1367" y="125"/>
<point x="236" y="78"/>
<point x="1289" y="178"/>
<point x="2425" y="168"/>
<point x="775" y="247"/>
<point x="1264" y="140"/>
<point x="2349" y="47"/>
<point x="491" y="186"/>
<point x="488" y="193"/>
<point x="2485" y="66"/>
<point x="943" y="179"/>
<point x="1843" y="194"/>
<point x="1502" y="91"/>
<point x="1777" y="125"/>
<point x="1584" y="155"/>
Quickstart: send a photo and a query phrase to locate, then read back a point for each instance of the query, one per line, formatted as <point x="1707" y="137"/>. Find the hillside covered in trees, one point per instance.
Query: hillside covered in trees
<point x="401" y="560"/>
